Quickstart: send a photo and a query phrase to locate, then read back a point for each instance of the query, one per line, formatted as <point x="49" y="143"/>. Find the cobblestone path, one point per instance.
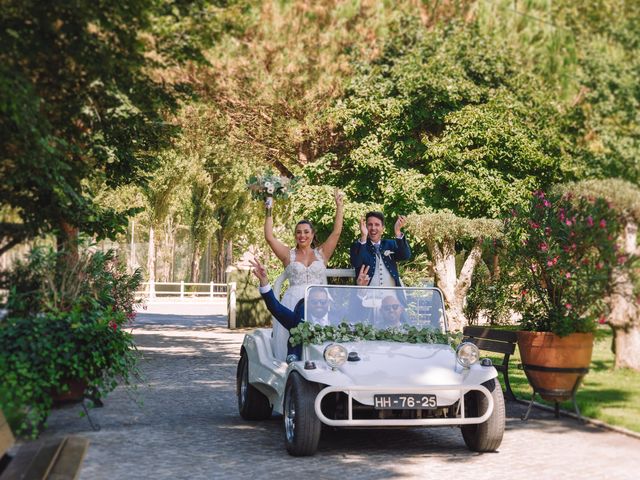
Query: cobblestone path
<point x="187" y="427"/>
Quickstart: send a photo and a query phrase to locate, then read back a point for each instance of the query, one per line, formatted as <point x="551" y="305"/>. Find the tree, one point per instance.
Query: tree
<point x="161" y="193"/>
<point x="448" y="119"/>
<point x="78" y="107"/>
<point x="624" y="312"/>
<point x="440" y="231"/>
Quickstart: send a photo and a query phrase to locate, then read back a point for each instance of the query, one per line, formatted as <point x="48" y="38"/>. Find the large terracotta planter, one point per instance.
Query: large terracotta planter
<point x="75" y="392"/>
<point x="544" y="352"/>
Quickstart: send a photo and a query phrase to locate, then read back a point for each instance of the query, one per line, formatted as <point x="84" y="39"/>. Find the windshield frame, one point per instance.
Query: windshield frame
<point x="404" y="292"/>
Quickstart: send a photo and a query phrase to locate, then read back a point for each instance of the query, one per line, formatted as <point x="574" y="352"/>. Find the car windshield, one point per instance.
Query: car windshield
<point x="381" y="307"/>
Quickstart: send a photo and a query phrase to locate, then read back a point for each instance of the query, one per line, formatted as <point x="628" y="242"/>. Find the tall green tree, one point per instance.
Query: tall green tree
<point x="79" y="107"/>
<point x="444" y="118"/>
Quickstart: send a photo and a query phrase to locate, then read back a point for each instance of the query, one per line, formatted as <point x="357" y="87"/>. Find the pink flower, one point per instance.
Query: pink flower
<point x="549" y="263"/>
<point x="523" y="293"/>
<point x="622" y="259"/>
<point x="602" y="320"/>
<point x="603" y="223"/>
<point x="113" y="325"/>
<point x="533" y="224"/>
<point x="547" y="231"/>
<point x="567" y="275"/>
<point x="568" y="306"/>
<point x="568" y="222"/>
<point x="546" y="203"/>
<point x="544" y="247"/>
<point x="590" y="221"/>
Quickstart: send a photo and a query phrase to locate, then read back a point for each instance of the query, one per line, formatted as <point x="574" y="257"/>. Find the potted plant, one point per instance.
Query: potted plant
<point x="561" y="253"/>
<point x="64" y="332"/>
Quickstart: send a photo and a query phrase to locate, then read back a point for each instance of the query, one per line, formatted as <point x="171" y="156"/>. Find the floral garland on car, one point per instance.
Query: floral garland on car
<point x="313" y="334"/>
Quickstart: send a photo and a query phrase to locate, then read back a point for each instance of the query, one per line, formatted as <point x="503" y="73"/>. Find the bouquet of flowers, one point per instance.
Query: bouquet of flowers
<point x="270" y="185"/>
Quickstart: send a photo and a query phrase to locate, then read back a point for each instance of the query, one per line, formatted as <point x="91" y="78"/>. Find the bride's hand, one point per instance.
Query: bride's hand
<point x="338" y="195"/>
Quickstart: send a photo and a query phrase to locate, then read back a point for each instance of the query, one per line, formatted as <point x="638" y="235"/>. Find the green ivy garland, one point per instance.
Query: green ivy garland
<point x="313" y="334"/>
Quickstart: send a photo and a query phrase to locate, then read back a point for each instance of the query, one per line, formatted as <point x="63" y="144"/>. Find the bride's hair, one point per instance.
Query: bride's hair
<point x="313" y="230"/>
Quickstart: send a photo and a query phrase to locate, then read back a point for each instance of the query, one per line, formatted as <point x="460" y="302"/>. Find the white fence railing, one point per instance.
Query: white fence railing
<point x="182" y="290"/>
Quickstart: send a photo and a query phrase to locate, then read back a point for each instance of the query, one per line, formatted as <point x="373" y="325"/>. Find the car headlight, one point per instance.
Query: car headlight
<point x="467" y="354"/>
<point x="335" y="355"/>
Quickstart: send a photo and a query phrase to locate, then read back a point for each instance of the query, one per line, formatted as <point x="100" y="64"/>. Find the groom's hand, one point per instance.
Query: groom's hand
<point x="363" y="230"/>
<point x="399" y="224"/>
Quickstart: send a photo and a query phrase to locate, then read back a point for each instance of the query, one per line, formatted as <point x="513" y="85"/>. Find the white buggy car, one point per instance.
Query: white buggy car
<point x="371" y="357"/>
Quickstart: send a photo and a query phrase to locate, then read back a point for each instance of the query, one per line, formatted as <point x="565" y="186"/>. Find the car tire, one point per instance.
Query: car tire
<point x="252" y="404"/>
<point x="302" y="427"/>
<point x="486" y="436"/>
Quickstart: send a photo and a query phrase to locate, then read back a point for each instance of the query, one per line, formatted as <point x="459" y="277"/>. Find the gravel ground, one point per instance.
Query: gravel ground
<point x="185" y="425"/>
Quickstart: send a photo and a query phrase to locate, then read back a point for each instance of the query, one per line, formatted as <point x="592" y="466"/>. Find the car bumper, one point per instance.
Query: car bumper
<point x="351" y="391"/>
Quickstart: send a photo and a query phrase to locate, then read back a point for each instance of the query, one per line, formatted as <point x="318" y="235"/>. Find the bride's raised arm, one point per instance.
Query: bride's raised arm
<point x="331" y="242"/>
<point x="280" y="249"/>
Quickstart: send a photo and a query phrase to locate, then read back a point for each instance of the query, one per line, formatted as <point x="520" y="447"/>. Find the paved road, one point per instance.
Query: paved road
<point x="188" y="428"/>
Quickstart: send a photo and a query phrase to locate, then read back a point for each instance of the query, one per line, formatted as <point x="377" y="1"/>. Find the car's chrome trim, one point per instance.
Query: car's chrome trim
<point x="350" y="422"/>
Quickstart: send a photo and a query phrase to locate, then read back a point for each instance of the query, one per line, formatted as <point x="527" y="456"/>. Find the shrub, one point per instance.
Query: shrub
<point x="65" y="322"/>
<point x="561" y="252"/>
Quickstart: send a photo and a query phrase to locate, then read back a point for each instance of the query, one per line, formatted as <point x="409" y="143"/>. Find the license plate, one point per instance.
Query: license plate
<point x="406" y="401"/>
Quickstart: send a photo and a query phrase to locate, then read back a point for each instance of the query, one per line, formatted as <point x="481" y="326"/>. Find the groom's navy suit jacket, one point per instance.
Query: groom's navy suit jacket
<point x="365" y="254"/>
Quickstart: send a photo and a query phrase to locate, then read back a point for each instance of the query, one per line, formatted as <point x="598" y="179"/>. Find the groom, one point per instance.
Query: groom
<point x="380" y="255"/>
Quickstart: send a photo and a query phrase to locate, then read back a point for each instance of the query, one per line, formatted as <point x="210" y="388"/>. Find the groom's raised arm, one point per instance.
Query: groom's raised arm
<point x="403" y="250"/>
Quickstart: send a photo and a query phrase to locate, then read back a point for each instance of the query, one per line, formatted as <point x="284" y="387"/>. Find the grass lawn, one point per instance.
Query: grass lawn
<point x="612" y="396"/>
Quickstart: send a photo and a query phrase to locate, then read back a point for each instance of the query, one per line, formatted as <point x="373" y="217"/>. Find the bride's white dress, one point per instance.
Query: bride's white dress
<point x="299" y="277"/>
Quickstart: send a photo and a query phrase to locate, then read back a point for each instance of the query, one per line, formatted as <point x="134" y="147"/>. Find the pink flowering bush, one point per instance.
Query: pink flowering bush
<point x="561" y="252"/>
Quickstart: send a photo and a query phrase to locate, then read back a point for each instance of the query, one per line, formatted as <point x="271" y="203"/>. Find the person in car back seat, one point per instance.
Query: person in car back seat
<point x="318" y="306"/>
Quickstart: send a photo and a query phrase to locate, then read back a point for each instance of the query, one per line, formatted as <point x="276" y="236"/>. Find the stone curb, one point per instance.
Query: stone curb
<point x="591" y="421"/>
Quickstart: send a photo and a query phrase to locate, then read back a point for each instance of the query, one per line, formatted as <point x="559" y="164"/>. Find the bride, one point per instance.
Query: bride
<point x="305" y="264"/>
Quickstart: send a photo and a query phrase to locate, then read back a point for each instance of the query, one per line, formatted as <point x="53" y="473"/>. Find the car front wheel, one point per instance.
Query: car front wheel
<point x="252" y="404"/>
<point x="486" y="436"/>
<point x="301" y="425"/>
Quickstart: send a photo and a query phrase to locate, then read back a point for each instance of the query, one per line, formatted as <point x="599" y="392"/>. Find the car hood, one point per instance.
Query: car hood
<point x="389" y="365"/>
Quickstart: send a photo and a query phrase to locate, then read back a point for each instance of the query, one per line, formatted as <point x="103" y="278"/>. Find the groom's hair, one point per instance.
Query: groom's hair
<point x="378" y="215"/>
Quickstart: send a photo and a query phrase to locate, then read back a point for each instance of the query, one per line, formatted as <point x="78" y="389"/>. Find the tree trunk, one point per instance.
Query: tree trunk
<point x="454" y="288"/>
<point x="151" y="256"/>
<point x="228" y="255"/>
<point x="219" y="257"/>
<point x="195" y="263"/>
<point x="67" y="242"/>
<point x="624" y="317"/>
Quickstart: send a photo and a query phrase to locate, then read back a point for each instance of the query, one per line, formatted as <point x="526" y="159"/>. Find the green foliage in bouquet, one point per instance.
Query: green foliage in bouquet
<point x="65" y="322"/>
<point x="270" y="185"/>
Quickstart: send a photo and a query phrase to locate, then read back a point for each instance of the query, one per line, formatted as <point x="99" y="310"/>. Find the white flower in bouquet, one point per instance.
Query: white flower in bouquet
<point x="270" y="185"/>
